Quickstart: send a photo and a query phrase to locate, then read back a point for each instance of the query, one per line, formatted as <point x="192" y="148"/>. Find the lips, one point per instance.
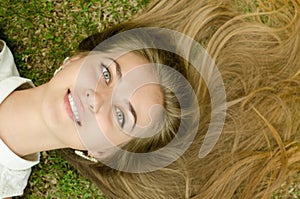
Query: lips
<point x="71" y="108"/>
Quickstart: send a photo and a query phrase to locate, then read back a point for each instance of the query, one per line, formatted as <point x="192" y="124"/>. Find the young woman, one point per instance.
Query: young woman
<point x="101" y="101"/>
<point x="256" y="46"/>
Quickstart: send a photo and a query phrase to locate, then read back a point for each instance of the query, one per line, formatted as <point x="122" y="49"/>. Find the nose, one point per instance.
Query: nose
<point x="96" y="100"/>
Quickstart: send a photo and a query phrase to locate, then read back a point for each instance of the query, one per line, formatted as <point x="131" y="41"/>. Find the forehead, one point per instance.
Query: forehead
<point x="130" y="61"/>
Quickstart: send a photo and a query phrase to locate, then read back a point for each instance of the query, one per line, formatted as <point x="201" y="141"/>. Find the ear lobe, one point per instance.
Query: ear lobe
<point x="68" y="60"/>
<point x="74" y="58"/>
<point x="104" y="154"/>
<point x="58" y="70"/>
<point x="85" y="156"/>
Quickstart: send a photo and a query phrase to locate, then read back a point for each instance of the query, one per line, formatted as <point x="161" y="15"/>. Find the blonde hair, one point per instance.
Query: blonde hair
<point x="256" y="46"/>
<point x="179" y="100"/>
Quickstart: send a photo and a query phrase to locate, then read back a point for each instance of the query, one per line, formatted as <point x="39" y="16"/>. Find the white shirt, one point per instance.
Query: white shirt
<point x="14" y="171"/>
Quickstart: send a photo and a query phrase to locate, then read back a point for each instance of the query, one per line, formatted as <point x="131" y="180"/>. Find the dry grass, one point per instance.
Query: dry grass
<point x="41" y="33"/>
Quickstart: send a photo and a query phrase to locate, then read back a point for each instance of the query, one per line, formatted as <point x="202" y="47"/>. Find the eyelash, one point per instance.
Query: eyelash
<point x="118" y="111"/>
<point x="106" y="70"/>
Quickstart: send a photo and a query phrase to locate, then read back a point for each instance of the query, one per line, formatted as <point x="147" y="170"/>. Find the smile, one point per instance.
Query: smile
<point x="71" y="108"/>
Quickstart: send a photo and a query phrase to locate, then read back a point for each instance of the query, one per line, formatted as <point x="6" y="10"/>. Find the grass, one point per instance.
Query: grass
<point x="54" y="178"/>
<point x="41" y="33"/>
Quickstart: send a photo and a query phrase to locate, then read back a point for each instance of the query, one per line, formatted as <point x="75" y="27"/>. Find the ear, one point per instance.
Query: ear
<point x="84" y="156"/>
<point x="105" y="154"/>
<point x="69" y="60"/>
<point x="74" y="58"/>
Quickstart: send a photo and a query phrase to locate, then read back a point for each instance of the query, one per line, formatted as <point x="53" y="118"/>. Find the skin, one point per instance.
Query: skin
<point x="36" y="119"/>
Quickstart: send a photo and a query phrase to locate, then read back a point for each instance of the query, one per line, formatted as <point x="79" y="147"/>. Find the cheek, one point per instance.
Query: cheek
<point x="109" y="127"/>
<point x="64" y="78"/>
<point x="70" y="70"/>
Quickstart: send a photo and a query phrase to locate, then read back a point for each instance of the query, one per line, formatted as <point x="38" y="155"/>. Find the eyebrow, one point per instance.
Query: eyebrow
<point x="118" y="68"/>
<point x="131" y="109"/>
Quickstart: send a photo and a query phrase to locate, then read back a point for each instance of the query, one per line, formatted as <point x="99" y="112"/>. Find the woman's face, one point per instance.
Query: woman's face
<point x="101" y="100"/>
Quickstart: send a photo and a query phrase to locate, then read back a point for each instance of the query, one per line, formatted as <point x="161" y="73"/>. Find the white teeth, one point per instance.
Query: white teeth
<point x="73" y="107"/>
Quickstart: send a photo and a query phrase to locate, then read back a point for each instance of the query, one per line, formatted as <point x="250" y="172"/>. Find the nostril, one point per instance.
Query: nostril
<point x="88" y="93"/>
<point x="94" y="100"/>
<point x="90" y="99"/>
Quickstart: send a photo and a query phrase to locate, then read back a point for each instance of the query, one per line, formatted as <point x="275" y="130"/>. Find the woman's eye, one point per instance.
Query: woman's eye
<point x="120" y="117"/>
<point x="106" y="73"/>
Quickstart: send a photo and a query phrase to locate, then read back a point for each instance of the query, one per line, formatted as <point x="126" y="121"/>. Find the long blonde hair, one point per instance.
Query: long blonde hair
<point x="256" y="46"/>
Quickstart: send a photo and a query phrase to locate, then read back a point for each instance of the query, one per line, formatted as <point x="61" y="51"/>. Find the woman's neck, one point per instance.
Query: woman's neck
<point x="21" y="126"/>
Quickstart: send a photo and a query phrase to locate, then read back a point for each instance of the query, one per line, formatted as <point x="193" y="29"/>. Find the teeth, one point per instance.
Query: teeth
<point x="74" y="108"/>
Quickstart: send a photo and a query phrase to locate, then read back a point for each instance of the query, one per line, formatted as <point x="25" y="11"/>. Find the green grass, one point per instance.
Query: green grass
<point x="41" y="33"/>
<point x="54" y="178"/>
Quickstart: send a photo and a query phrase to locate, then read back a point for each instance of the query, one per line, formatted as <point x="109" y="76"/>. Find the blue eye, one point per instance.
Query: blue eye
<point x="120" y="117"/>
<point x="106" y="73"/>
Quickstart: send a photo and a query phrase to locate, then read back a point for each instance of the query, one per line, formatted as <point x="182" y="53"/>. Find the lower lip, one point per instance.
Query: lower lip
<point x="68" y="107"/>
